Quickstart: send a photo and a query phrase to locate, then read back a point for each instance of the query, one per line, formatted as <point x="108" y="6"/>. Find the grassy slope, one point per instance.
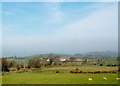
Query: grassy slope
<point x="48" y="76"/>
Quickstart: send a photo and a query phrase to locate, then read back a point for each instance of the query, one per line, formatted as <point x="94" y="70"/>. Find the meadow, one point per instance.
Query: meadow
<point x="49" y="76"/>
<point x="35" y="78"/>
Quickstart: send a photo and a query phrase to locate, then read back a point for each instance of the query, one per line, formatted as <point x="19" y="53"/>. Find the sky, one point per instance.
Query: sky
<point x="60" y="0"/>
<point x="0" y="30"/>
<point x="58" y="27"/>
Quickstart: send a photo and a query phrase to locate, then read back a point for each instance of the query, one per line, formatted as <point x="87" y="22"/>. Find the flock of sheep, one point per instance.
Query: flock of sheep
<point x="104" y="78"/>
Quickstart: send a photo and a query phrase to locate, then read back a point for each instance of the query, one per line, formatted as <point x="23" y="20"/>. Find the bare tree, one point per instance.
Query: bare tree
<point x="35" y="62"/>
<point x="4" y="64"/>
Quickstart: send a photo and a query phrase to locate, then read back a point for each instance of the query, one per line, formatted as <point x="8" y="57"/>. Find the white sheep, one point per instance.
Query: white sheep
<point x="117" y="78"/>
<point x="90" y="79"/>
<point x="104" y="78"/>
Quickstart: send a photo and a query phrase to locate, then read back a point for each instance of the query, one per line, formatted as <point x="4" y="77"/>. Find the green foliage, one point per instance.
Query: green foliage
<point x="12" y="63"/>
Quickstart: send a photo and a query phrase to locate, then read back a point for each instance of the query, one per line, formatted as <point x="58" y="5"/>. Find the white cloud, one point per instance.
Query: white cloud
<point x="7" y="12"/>
<point x="98" y="31"/>
<point x="55" y="13"/>
<point x="56" y="17"/>
<point x="100" y="21"/>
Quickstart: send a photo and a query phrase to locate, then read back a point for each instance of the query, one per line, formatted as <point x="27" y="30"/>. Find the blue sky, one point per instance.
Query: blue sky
<point x="58" y="27"/>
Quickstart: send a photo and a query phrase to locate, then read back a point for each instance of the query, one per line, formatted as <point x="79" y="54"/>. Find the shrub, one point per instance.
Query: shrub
<point x="101" y="65"/>
<point x="57" y="71"/>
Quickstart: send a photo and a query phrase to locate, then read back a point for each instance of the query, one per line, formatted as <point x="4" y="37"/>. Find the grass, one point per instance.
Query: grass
<point x="83" y="68"/>
<point x="35" y="78"/>
<point x="48" y="76"/>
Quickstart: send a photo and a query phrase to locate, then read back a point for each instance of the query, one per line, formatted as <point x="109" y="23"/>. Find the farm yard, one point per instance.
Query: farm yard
<point x="62" y="76"/>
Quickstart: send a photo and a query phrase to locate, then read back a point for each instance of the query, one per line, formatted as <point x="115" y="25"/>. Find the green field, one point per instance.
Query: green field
<point x="34" y="78"/>
<point x="48" y="76"/>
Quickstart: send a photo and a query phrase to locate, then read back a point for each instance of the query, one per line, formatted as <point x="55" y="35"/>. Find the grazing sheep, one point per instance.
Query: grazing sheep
<point x="117" y="78"/>
<point x="104" y="78"/>
<point x="90" y="79"/>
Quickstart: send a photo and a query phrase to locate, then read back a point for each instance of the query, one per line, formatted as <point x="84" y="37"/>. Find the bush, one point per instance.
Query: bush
<point x="57" y="71"/>
<point x="108" y="65"/>
<point x="35" y="63"/>
<point x="101" y="65"/>
<point x="4" y="64"/>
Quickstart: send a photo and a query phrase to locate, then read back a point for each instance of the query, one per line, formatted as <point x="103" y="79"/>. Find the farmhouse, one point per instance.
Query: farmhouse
<point x="64" y="59"/>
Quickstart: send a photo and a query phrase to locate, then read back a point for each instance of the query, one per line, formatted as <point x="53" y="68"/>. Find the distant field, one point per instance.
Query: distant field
<point x="48" y="76"/>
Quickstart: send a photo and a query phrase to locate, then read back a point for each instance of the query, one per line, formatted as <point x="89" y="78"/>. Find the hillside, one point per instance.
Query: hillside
<point x="106" y="53"/>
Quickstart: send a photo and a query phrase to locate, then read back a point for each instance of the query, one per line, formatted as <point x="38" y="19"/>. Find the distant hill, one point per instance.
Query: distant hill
<point x="64" y="55"/>
<point x="46" y="55"/>
<point x="106" y="53"/>
<point x="95" y="54"/>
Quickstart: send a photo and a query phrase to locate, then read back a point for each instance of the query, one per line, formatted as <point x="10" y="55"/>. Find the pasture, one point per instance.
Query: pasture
<point x="49" y="76"/>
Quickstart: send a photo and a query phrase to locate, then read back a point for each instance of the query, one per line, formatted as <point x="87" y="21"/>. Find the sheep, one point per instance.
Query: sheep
<point x="90" y="79"/>
<point x="104" y="78"/>
<point x="117" y="78"/>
